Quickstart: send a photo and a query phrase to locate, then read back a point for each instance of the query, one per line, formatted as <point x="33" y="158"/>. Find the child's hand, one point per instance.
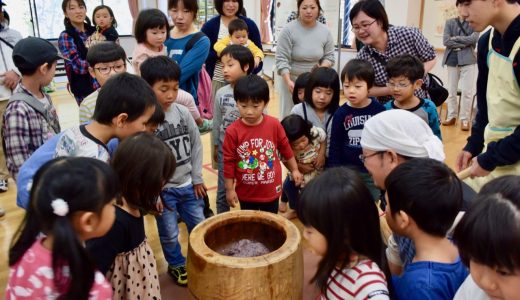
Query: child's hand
<point x="305" y="168"/>
<point x="159" y="206"/>
<point x="257" y="62"/>
<point x="297" y="177"/>
<point x="319" y="162"/>
<point x="200" y="190"/>
<point x="231" y="198"/>
<point x="215" y="154"/>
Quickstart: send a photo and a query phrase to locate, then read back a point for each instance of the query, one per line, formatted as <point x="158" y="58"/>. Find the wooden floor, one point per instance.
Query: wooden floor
<point x="453" y="138"/>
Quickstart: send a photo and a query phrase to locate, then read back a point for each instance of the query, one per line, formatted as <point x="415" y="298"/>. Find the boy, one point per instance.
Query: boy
<point x="238" y="35"/>
<point x="496" y="126"/>
<point x="348" y="122"/>
<point x="104" y="59"/>
<point x="184" y="192"/>
<point x="124" y="106"/>
<point x="424" y="197"/>
<point x="251" y="146"/>
<point x="405" y="73"/>
<point x="30" y="118"/>
<point x="237" y="62"/>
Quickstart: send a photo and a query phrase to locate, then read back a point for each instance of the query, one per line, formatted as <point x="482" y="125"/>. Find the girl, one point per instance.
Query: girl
<point x="321" y="101"/>
<point x="72" y="46"/>
<point x="298" y="95"/>
<point x="352" y="255"/>
<point x="488" y="238"/>
<point x="150" y="32"/>
<point x="47" y="258"/>
<point x="305" y="142"/>
<point x="105" y="22"/>
<point x="143" y="163"/>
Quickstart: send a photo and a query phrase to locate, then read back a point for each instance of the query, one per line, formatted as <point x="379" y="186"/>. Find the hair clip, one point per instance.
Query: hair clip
<point x="60" y="207"/>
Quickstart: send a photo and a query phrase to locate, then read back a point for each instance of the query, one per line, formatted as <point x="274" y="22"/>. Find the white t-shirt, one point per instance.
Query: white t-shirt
<point x="469" y="290"/>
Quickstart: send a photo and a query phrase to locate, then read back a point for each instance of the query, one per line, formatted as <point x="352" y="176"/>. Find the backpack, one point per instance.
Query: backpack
<point x="204" y="96"/>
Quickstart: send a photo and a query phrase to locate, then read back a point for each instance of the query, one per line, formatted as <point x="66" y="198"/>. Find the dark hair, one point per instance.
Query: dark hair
<point x="251" y="87"/>
<point x="58" y="179"/>
<point x="326" y="78"/>
<point x="300" y="83"/>
<point x="299" y="3"/>
<point x="158" y="116"/>
<point x="469" y="1"/>
<point x="99" y="7"/>
<point x="405" y="65"/>
<point x="160" y="68"/>
<point x="143" y="164"/>
<point x="242" y="54"/>
<point x="219" y="4"/>
<point x="66" y="21"/>
<point x="149" y="19"/>
<point x="237" y="25"/>
<point x="28" y="71"/>
<point x="359" y="69"/>
<point x="489" y="232"/>
<point x="123" y="93"/>
<point x="191" y="5"/>
<point x="337" y="215"/>
<point x="295" y="127"/>
<point x="428" y="191"/>
<point x="373" y="9"/>
<point x="104" y="52"/>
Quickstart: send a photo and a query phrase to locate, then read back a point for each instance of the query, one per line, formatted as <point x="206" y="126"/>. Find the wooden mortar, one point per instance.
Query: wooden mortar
<point x="276" y="275"/>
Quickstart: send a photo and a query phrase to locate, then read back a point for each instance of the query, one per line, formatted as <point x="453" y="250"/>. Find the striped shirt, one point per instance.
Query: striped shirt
<point x="218" y="75"/>
<point x="87" y="107"/>
<point x="363" y="281"/>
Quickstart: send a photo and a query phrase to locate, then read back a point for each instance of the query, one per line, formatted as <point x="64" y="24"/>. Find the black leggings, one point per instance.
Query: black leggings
<point x="271" y="206"/>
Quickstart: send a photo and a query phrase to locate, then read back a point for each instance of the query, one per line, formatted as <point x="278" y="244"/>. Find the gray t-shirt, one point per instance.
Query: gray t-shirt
<point x="225" y="112"/>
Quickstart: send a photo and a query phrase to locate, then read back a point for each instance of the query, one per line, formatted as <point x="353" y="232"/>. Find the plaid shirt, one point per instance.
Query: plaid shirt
<point x="401" y="40"/>
<point x="25" y="130"/>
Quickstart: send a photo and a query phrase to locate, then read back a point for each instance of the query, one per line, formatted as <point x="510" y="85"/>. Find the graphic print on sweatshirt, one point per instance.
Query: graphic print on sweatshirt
<point x="228" y="110"/>
<point x="177" y="137"/>
<point x="354" y="127"/>
<point x="257" y="157"/>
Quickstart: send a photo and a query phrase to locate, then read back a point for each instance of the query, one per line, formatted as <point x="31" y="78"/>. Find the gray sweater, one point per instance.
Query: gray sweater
<point x="300" y="48"/>
<point x="181" y="134"/>
<point x="225" y="112"/>
<point x="455" y="40"/>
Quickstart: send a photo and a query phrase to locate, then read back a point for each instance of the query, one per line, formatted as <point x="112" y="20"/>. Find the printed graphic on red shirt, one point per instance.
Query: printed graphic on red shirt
<point x="257" y="157"/>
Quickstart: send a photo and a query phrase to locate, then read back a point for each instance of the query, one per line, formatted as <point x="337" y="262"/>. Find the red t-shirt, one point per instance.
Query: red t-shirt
<point x="251" y="157"/>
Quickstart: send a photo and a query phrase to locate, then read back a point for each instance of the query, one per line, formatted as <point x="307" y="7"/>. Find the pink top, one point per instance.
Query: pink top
<point x="141" y="53"/>
<point x="33" y="278"/>
<point x="186" y="99"/>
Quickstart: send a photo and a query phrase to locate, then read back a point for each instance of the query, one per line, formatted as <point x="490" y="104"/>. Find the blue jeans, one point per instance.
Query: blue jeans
<point x="183" y="201"/>
<point x="291" y="192"/>
<point x="222" y="205"/>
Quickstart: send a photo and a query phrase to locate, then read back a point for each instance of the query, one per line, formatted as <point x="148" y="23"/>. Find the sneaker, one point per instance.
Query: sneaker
<point x="464" y="125"/>
<point x="206" y="126"/>
<point x="449" y="122"/>
<point x="3" y="186"/>
<point x="179" y="274"/>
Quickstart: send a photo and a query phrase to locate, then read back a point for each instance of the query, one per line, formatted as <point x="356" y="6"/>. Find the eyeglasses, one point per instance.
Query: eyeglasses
<point x="106" y="70"/>
<point x="363" y="157"/>
<point x="397" y="85"/>
<point x="363" y="26"/>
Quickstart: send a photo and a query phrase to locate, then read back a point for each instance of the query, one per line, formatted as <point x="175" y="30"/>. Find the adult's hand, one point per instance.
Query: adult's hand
<point x="476" y="170"/>
<point x="11" y="79"/>
<point x="463" y="160"/>
<point x="288" y="82"/>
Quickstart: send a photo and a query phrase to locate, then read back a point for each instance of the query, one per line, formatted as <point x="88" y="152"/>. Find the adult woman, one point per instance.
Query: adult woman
<point x="302" y="45"/>
<point x="383" y="41"/>
<point x="217" y="28"/>
<point x="183" y="14"/>
<point x="72" y="46"/>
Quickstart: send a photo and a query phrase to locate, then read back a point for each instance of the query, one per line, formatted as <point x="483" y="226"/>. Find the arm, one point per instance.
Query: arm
<point x="137" y="60"/>
<point x="283" y="52"/>
<point x="229" y="158"/>
<point x="257" y="52"/>
<point x="447" y="37"/>
<point x="193" y="60"/>
<point x="287" y="154"/>
<point x="328" y="51"/>
<point x="429" y="65"/>
<point x="69" y="51"/>
<point x="469" y="40"/>
<point x="221" y="44"/>
<point x="211" y="28"/>
<point x="423" y="49"/>
<point x="186" y="99"/>
<point x="196" y="156"/>
<point x="379" y="91"/>
<point x="85" y="112"/>
<point x="292" y="166"/>
<point x="16" y="137"/>
<point x="217" y="119"/>
<point x="337" y="136"/>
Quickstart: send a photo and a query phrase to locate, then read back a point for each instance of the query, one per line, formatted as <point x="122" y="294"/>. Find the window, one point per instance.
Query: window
<point x="44" y="18"/>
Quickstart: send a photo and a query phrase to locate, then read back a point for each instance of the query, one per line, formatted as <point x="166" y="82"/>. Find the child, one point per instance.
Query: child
<point x="238" y="32"/>
<point x="353" y="264"/>
<point x="250" y="150"/>
<point x="105" y="22"/>
<point x="185" y="190"/>
<point x="124" y="106"/>
<point x="104" y="59"/>
<point x="423" y="198"/>
<point x="30" y="118"/>
<point x="299" y="88"/>
<point x="345" y="136"/>
<point x="488" y="238"/>
<point x="151" y="28"/>
<point x="143" y="163"/>
<point x="47" y="258"/>
<point x="182" y="97"/>
<point x="72" y="46"/>
<point x="305" y="141"/>
<point x="405" y="73"/>
<point x="237" y="62"/>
